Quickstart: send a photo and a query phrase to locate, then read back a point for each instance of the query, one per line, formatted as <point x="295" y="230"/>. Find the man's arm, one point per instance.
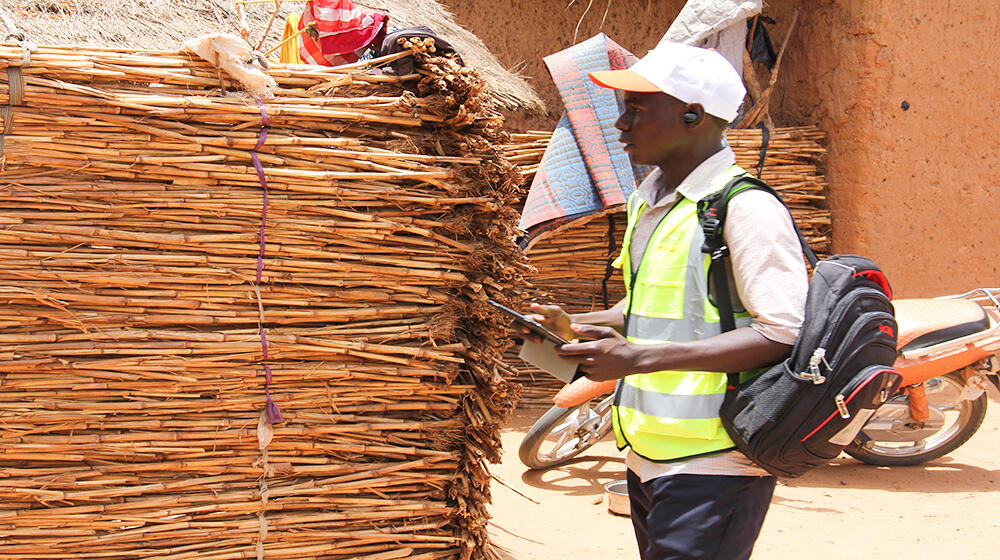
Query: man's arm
<point x="611" y="356"/>
<point x="771" y="282"/>
<point x="613" y="317"/>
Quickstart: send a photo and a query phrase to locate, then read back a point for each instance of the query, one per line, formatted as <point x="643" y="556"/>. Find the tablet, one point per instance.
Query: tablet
<point x="532" y="325"/>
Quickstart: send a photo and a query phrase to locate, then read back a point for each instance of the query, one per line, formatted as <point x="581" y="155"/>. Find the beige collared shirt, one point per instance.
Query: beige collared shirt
<point x="768" y="271"/>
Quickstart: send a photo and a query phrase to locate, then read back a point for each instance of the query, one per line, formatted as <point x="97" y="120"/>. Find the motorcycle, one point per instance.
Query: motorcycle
<point x="948" y="351"/>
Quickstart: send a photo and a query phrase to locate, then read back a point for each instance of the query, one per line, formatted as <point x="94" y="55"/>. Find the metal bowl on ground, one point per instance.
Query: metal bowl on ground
<point x="618" y="497"/>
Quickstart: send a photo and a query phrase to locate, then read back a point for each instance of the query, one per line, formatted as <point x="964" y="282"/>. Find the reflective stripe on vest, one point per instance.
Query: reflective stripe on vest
<point x="671" y="406"/>
<point x="671" y="414"/>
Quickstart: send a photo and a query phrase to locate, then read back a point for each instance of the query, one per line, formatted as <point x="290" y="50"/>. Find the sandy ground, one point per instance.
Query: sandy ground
<point x="949" y="508"/>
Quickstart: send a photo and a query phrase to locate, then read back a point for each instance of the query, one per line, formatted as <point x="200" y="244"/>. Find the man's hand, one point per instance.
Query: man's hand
<point x="551" y="317"/>
<point x="608" y="356"/>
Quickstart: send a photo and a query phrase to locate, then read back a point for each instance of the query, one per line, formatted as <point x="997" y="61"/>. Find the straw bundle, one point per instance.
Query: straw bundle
<point x="224" y="341"/>
<point x="572" y="263"/>
<point x="145" y="24"/>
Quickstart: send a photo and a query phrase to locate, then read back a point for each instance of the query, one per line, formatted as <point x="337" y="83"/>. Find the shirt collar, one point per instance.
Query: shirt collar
<point x="697" y="185"/>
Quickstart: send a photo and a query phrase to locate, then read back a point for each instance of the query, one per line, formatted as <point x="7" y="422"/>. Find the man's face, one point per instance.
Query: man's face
<point x="652" y="128"/>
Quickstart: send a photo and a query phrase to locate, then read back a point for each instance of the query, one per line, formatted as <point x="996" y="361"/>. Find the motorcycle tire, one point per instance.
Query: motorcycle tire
<point x="952" y="436"/>
<point x="567" y="432"/>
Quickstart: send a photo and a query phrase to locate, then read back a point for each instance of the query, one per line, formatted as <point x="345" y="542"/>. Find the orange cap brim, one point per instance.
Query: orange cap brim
<point x="625" y="80"/>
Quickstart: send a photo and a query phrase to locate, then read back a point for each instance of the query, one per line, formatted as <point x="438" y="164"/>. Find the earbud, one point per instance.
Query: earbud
<point x="690" y="117"/>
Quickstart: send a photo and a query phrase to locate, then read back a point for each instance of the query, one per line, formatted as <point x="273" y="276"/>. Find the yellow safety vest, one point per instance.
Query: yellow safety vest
<point x="669" y="415"/>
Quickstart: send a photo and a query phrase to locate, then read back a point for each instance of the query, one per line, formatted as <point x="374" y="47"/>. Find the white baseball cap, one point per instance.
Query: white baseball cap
<point x="691" y="74"/>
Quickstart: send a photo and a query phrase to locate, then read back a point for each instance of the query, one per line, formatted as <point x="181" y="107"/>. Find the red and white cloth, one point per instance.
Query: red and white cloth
<point x="343" y="28"/>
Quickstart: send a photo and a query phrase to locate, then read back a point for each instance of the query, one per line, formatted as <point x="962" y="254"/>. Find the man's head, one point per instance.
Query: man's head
<point x="678" y="101"/>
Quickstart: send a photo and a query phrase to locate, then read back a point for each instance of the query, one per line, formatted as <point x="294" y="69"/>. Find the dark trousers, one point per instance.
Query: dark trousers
<point x="698" y="517"/>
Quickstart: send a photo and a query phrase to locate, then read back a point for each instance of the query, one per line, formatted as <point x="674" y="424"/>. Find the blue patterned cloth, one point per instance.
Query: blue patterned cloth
<point x="584" y="169"/>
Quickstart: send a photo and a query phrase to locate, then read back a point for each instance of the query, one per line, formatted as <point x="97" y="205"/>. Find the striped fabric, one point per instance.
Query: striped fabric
<point x="584" y="169"/>
<point x="342" y="27"/>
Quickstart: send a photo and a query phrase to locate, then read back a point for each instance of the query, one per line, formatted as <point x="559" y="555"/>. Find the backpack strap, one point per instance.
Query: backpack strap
<point x="712" y="216"/>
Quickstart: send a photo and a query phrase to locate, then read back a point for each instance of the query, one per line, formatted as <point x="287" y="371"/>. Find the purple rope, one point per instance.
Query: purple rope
<point x="263" y="213"/>
<point x="271" y="410"/>
<point x="263" y="183"/>
<point x="263" y="345"/>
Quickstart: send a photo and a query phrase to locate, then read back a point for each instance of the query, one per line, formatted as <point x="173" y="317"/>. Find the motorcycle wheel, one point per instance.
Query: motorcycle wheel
<point x="563" y="433"/>
<point x="963" y="418"/>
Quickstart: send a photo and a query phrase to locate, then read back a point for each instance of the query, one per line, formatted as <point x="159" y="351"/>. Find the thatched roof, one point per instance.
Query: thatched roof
<point x="164" y="24"/>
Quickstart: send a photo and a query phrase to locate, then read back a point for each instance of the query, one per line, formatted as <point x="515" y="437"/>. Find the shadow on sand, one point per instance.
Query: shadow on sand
<point x="584" y="476"/>
<point x="941" y="475"/>
<point x="587" y="474"/>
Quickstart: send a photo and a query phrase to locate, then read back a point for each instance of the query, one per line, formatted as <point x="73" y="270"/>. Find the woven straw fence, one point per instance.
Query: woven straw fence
<point x="222" y="340"/>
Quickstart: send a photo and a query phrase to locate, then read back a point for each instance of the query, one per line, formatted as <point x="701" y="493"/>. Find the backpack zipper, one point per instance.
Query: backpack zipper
<point x="855" y="331"/>
<point x="838" y="312"/>
<point x="813" y="371"/>
<point x="844" y="306"/>
<point x="853" y="388"/>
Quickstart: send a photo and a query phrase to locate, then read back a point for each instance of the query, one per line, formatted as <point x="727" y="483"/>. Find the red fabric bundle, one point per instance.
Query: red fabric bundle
<point x="343" y="28"/>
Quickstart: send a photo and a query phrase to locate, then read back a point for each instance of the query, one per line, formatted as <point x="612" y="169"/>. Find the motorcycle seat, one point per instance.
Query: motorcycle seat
<point x="925" y="322"/>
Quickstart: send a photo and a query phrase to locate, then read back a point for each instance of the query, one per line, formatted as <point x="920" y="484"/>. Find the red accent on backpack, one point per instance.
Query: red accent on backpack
<point x="877" y="277"/>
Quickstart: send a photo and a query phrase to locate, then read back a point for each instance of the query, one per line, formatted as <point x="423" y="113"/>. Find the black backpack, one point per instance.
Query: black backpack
<point x="800" y="413"/>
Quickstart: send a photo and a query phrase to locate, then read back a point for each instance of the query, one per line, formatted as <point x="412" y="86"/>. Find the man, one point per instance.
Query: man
<point x="692" y="495"/>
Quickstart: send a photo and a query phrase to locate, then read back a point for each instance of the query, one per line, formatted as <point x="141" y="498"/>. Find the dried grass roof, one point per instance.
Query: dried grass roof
<point x="164" y="24"/>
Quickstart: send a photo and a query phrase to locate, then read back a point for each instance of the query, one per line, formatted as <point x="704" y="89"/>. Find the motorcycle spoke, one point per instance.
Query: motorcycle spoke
<point x="563" y="438"/>
<point x="950" y="417"/>
<point x="575" y="432"/>
<point x="950" y="407"/>
<point x="943" y="393"/>
<point x="569" y="439"/>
